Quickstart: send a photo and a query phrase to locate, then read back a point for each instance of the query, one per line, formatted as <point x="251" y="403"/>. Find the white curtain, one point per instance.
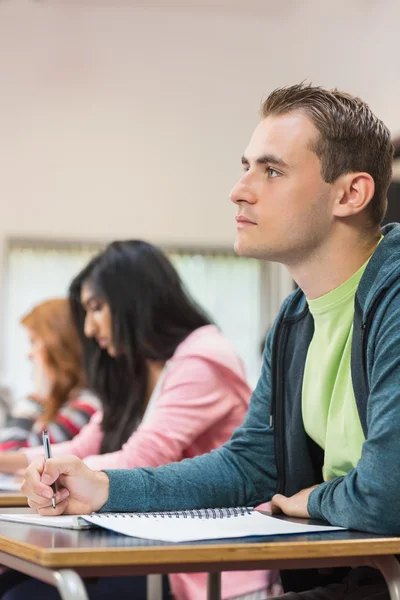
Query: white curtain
<point x="33" y="274"/>
<point x="228" y="288"/>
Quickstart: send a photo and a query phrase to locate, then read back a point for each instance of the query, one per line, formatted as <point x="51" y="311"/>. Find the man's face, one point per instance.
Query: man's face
<point x="284" y="206"/>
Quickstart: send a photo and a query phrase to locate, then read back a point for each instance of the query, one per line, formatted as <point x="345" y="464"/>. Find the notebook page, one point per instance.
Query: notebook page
<point x="170" y="527"/>
<point x="63" y="521"/>
<point x="10" y="483"/>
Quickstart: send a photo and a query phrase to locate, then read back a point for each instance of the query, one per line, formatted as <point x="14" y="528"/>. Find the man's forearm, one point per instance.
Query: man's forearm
<point x="211" y="480"/>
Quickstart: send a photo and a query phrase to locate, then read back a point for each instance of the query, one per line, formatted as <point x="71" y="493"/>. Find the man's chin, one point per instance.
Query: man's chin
<point x="238" y="248"/>
<point x="242" y="249"/>
<point x="249" y="251"/>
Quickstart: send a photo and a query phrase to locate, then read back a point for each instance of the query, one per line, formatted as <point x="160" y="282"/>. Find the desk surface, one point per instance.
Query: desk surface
<point x="12" y="499"/>
<point x="53" y="547"/>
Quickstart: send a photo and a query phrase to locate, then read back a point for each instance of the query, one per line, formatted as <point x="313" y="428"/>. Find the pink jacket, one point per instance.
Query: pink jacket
<point x="201" y="396"/>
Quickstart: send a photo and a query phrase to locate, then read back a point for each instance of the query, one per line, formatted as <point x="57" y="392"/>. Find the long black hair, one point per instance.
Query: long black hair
<point x="151" y="315"/>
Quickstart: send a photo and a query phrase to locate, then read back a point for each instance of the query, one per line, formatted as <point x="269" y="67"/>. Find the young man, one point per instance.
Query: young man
<point x="321" y="435"/>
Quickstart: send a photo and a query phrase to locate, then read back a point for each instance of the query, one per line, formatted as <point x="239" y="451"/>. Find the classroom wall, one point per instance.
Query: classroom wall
<point x="120" y="120"/>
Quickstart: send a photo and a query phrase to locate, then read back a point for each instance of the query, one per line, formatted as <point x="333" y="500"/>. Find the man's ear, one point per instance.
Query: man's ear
<point x="355" y="191"/>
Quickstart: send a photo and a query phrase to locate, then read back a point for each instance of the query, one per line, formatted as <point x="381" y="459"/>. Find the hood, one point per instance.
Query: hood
<point x="383" y="270"/>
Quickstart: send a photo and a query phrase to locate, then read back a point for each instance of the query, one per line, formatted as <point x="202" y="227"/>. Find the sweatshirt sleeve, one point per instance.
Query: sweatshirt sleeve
<point x="242" y="472"/>
<point x="367" y="498"/>
<point x="194" y="397"/>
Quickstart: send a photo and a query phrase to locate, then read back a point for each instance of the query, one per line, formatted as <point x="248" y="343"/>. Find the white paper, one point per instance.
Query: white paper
<point x="169" y="527"/>
<point x="10" y="483"/>
<point x="63" y="521"/>
<point x="179" y="529"/>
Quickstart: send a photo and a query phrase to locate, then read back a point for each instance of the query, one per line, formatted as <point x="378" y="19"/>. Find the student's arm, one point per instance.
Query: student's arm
<point x="368" y="498"/>
<point x="193" y="399"/>
<point x="11" y="462"/>
<point x="85" y="443"/>
<point x="14" y="435"/>
<point x="18" y="427"/>
<point x="68" y="421"/>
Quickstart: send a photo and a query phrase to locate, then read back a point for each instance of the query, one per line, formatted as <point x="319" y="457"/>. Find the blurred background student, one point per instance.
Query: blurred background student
<point x="59" y="401"/>
<point x="6" y="404"/>
<point x="171" y="387"/>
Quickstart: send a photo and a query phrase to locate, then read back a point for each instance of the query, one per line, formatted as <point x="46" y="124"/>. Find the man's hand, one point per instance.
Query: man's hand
<point x="79" y="489"/>
<point x="295" y="506"/>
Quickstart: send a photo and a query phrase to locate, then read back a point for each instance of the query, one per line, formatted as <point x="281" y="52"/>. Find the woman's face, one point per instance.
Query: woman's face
<point x="43" y="376"/>
<point x="98" y="320"/>
<point x="36" y="352"/>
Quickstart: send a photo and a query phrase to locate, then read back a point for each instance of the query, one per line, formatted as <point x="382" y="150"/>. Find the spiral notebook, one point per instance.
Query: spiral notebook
<point x="180" y="526"/>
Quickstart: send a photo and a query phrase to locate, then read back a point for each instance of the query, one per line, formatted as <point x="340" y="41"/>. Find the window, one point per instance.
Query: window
<point x="231" y="289"/>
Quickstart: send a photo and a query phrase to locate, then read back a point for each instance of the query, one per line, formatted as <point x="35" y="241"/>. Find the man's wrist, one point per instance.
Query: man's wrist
<point x="104" y="490"/>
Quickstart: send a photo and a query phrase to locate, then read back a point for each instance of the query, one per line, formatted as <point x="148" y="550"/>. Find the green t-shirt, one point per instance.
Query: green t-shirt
<point x="329" y="408"/>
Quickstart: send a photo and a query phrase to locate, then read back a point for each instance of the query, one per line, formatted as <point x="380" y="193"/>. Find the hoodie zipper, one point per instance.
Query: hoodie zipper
<point x="278" y="414"/>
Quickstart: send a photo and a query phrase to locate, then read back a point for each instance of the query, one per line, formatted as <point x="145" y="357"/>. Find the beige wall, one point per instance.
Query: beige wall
<point x="117" y="120"/>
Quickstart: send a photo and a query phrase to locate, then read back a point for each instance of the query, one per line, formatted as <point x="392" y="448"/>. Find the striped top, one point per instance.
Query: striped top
<point x="24" y="428"/>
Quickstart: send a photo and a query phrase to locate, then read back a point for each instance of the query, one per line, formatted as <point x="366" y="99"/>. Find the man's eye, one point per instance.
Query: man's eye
<point x="272" y="172"/>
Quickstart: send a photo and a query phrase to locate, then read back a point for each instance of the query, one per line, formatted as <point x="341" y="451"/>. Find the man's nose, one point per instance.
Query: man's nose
<point x="242" y="192"/>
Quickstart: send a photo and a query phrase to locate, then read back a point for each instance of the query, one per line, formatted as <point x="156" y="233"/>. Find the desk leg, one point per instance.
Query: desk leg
<point x="154" y="587"/>
<point x="214" y="586"/>
<point x="67" y="581"/>
<point x="69" y="585"/>
<point x="389" y="566"/>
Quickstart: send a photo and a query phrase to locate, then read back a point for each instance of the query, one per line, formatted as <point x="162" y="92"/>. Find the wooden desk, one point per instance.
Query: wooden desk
<point x="12" y="499"/>
<point x="63" y="557"/>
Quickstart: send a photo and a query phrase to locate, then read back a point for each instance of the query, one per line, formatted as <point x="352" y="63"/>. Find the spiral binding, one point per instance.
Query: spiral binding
<point x="204" y="513"/>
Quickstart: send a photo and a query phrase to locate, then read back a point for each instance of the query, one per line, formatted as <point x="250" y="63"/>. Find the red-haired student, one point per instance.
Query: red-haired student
<point x="59" y="401"/>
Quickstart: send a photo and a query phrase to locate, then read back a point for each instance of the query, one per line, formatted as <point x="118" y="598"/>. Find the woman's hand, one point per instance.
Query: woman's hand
<point x="79" y="489"/>
<point x="12" y="462"/>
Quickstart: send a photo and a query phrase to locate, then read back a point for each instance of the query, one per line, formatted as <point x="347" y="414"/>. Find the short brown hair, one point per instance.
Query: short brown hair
<point x="52" y="322"/>
<point x="352" y="138"/>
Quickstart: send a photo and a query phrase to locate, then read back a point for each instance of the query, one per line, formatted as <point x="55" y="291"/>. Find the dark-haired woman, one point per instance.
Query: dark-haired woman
<point x="170" y="383"/>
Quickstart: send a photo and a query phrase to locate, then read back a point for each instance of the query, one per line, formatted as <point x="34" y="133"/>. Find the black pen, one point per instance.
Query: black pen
<point x="47" y="455"/>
